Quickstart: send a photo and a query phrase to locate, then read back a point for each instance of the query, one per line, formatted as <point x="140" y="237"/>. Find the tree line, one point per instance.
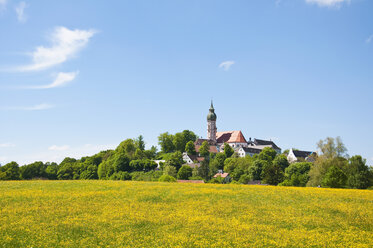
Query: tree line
<point x="131" y="161"/>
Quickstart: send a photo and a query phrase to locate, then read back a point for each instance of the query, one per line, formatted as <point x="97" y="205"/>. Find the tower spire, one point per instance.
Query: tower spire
<point x="211" y="124"/>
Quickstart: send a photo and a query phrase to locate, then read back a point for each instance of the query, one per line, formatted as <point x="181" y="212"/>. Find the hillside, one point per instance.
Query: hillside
<point x="153" y="214"/>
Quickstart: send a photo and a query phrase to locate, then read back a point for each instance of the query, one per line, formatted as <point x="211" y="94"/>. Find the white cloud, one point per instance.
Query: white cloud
<point x="20" y="11"/>
<point x="61" y="79"/>
<point x="226" y="65"/>
<point x="6" y="145"/>
<point x="42" y="106"/>
<point x="328" y="3"/>
<point x="66" y="44"/>
<point x="59" y="148"/>
<point x="369" y="39"/>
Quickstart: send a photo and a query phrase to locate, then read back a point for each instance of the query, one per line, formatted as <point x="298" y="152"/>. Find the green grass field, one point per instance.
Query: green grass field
<point x="152" y="214"/>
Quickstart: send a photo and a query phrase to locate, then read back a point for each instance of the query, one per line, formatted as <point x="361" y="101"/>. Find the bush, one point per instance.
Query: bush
<point x="217" y="180"/>
<point x="146" y="176"/>
<point x="195" y="178"/>
<point x="167" y="178"/>
<point x="185" y="172"/>
<point x="244" y="179"/>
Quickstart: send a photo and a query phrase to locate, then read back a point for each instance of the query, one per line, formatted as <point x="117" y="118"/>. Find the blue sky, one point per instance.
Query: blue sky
<point x="77" y="77"/>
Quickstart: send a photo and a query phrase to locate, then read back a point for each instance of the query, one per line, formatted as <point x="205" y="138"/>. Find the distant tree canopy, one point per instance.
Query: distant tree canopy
<point x="171" y="143"/>
<point x="132" y="161"/>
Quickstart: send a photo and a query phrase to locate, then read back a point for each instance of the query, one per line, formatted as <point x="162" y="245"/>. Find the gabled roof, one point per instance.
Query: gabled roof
<point x="260" y="142"/>
<point x="251" y="149"/>
<point x="230" y="137"/>
<point x="301" y="154"/>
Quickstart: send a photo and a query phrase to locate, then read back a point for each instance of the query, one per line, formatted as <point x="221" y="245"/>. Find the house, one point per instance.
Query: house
<point x="233" y="138"/>
<point x="259" y="143"/>
<point x="243" y="151"/>
<point x="225" y="176"/>
<point x="297" y="155"/>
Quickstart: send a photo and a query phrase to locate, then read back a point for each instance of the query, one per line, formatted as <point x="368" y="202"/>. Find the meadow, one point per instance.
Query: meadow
<point x="153" y="214"/>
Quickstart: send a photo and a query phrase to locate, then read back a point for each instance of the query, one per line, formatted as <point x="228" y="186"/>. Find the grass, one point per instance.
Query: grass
<point x="152" y="214"/>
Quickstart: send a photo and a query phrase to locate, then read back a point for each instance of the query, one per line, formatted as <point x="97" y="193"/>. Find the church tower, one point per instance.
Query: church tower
<point x="211" y="124"/>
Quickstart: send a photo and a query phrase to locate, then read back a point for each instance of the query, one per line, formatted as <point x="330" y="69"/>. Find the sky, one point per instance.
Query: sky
<point x="78" y="77"/>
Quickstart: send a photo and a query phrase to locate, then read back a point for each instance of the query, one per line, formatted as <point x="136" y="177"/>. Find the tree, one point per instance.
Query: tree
<point x="139" y="142"/>
<point x="297" y="174"/>
<point x="185" y="172"/>
<point x="151" y="153"/>
<point x="357" y="173"/>
<point x="10" y="171"/>
<point x="170" y="171"/>
<point x="167" y="178"/>
<point x="165" y="140"/>
<point x="204" y="150"/>
<point x="127" y="147"/>
<point x="175" y="159"/>
<point x="217" y="163"/>
<point x="190" y="148"/>
<point x="334" y="178"/>
<point x="255" y="170"/>
<point x="272" y="174"/>
<point x="35" y="170"/>
<point x="121" y="162"/>
<point x="332" y="148"/>
<point x="268" y="154"/>
<point x="321" y="167"/>
<point x="51" y="171"/>
<point x="204" y="170"/>
<point x="228" y="150"/>
<point x="282" y="161"/>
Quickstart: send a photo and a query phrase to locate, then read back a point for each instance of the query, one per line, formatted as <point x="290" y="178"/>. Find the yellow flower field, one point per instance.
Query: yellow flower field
<point x="152" y="214"/>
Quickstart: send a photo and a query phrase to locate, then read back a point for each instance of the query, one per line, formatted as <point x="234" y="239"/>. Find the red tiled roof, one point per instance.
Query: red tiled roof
<point x="230" y="137"/>
<point x="223" y="175"/>
<point x="213" y="149"/>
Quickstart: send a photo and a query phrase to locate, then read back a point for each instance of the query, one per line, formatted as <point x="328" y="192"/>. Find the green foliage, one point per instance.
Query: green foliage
<point x="127" y="147"/>
<point x="204" y="150"/>
<point x="297" y="174"/>
<point x="255" y="170"/>
<point x="167" y="178"/>
<point x="334" y="178"/>
<point x="272" y="174"/>
<point x="358" y="175"/>
<point x="34" y="170"/>
<point x="321" y="166"/>
<point x="218" y="162"/>
<point x="170" y="170"/>
<point x="190" y="148"/>
<point x="217" y="180"/>
<point x="204" y="170"/>
<point x="228" y="150"/>
<point x="175" y="159"/>
<point x="281" y="161"/>
<point x="185" y="172"/>
<point x="267" y="154"/>
<point x="181" y="139"/>
<point x="140" y="143"/>
<point x="142" y="165"/>
<point x="165" y="140"/>
<point x="244" y="179"/>
<point x="121" y="175"/>
<point x="10" y="171"/>
<point x="146" y="176"/>
<point x="332" y="148"/>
